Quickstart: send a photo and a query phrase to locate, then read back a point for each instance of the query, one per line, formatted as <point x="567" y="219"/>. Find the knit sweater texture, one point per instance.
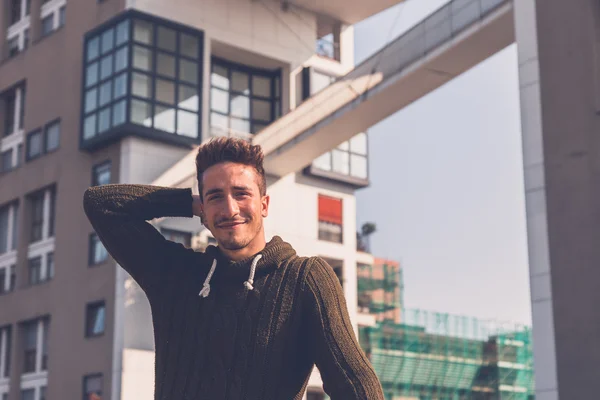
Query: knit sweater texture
<point x="236" y="343"/>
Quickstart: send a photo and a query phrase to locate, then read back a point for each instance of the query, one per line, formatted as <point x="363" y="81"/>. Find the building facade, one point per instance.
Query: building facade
<point x="120" y="91"/>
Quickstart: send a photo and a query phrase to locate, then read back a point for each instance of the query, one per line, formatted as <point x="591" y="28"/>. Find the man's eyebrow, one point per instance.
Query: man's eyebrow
<point x="212" y="191"/>
<point x="246" y="188"/>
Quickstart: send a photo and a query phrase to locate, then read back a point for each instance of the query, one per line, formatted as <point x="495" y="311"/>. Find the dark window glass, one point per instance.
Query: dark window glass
<point x="34" y="145"/>
<point x="15" y="14"/>
<point x="7" y="332"/>
<point x="92" y="387"/>
<point x="30" y="330"/>
<point x="4" y="233"/>
<point x="52" y="136"/>
<point x="28" y="394"/>
<point x="6" y="160"/>
<point x="101" y="174"/>
<point x="47" y="25"/>
<point x="52" y="212"/>
<point x="98" y="253"/>
<point x="35" y="271"/>
<point x="95" y="316"/>
<point x="37" y="216"/>
<point x="10" y="103"/>
<point x="49" y="266"/>
<point x="61" y="16"/>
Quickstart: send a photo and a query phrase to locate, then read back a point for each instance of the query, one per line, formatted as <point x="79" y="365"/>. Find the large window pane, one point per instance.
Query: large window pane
<point x="106" y="66"/>
<point x="341" y="162"/>
<point x="142" y="32"/>
<point x="239" y="82"/>
<point x="219" y="77"/>
<point x="119" y="112"/>
<point x="323" y="162"/>
<point x="219" y="100"/>
<point x="358" y="166"/>
<point x="188" y="71"/>
<point x="165" y="91"/>
<point x="120" y="88"/>
<point x="123" y="32"/>
<point x="240" y="106"/>
<point x="261" y="110"/>
<point x="104" y="120"/>
<point x="89" y="127"/>
<point x="219" y="121"/>
<point x="358" y="144"/>
<point x="91" y="75"/>
<point x="142" y="85"/>
<point x="105" y="93"/>
<point x="165" y="65"/>
<point x="52" y="136"/>
<point x="166" y="39"/>
<point x="93" y="48"/>
<point x="121" y="59"/>
<point x="189" y="45"/>
<point x="91" y="100"/>
<point x="108" y="39"/>
<point x="140" y="113"/>
<point x="188" y="98"/>
<point x="187" y="123"/>
<point x="142" y="58"/>
<point x="164" y="118"/>
<point x="34" y="145"/>
<point x="261" y="86"/>
<point x="240" y="125"/>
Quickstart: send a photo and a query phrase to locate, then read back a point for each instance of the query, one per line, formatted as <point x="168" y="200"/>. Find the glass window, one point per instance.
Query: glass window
<point x="98" y="253"/>
<point x="261" y="109"/>
<point x="219" y="100"/>
<point x="188" y="98"/>
<point x="61" y="16"/>
<point x="91" y="100"/>
<point x="108" y="40"/>
<point x="93" y="48"/>
<point x="91" y="75"/>
<point x="92" y="387"/>
<point x="165" y="91"/>
<point x="50" y="265"/>
<point x="164" y="118"/>
<point x="323" y="162"/>
<point x="4" y="234"/>
<point x="142" y="32"/>
<point x="119" y="112"/>
<point x="261" y="86"/>
<point x="37" y="216"/>
<point x="142" y="58"/>
<point x="140" y="113"/>
<point x="30" y="346"/>
<point x="166" y="39"/>
<point x="89" y="127"/>
<point x="239" y="125"/>
<point x="10" y="103"/>
<point x="188" y="71"/>
<point x="35" y="270"/>
<point x="120" y="88"/>
<point x="189" y="45"/>
<point x="105" y="93"/>
<point x="187" y="123"/>
<point x="219" y="77"/>
<point x="47" y="25"/>
<point x="28" y="394"/>
<point x="101" y="174"/>
<point x="52" y="136"/>
<point x="358" y="144"/>
<point x="34" y="145"/>
<point x="142" y="85"/>
<point x="106" y="66"/>
<point x="239" y="82"/>
<point x="6" y="164"/>
<point x="123" y="32"/>
<point x="121" y="59"/>
<point x="240" y="106"/>
<point x="104" y="120"/>
<point x="358" y="166"/>
<point x="95" y="319"/>
<point x="165" y="65"/>
<point x="341" y="162"/>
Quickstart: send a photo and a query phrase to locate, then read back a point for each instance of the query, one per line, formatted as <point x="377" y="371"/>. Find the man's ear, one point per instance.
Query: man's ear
<point x="265" y="206"/>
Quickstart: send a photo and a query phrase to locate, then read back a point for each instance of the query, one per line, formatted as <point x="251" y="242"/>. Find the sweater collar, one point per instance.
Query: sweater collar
<point x="274" y="254"/>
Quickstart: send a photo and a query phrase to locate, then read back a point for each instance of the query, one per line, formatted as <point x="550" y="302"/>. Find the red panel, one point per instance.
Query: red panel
<point x="330" y="210"/>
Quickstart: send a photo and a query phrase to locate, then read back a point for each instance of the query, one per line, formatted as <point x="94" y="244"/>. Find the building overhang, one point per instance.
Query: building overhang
<point x="347" y="11"/>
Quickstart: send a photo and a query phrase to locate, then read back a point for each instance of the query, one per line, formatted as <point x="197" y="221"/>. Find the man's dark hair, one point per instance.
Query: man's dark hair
<point x="224" y="149"/>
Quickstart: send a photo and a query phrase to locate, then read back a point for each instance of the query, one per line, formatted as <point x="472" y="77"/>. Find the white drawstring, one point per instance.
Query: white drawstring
<point x="250" y="280"/>
<point x="206" y="286"/>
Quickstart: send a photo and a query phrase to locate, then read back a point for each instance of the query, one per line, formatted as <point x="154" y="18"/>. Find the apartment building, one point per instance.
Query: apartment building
<point x="121" y="91"/>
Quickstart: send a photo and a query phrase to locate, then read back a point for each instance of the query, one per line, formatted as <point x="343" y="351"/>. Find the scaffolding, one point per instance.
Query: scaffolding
<point x="380" y="289"/>
<point x="435" y="356"/>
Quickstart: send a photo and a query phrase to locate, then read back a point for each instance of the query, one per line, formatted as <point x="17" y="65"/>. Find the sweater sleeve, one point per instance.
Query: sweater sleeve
<point x="119" y="215"/>
<point x="346" y="372"/>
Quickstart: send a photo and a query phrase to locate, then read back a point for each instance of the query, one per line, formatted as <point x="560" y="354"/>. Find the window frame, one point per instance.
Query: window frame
<point x="85" y="393"/>
<point x="91" y="252"/>
<point x="55" y="122"/>
<point x="96" y="167"/>
<point x="35" y="132"/>
<point x="95" y="305"/>
<point x="275" y="100"/>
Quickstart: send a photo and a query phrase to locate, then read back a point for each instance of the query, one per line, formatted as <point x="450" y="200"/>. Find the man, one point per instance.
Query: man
<point x="247" y="319"/>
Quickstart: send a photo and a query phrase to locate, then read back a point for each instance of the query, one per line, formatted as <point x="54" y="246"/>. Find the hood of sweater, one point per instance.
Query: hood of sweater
<point x="267" y="260"/>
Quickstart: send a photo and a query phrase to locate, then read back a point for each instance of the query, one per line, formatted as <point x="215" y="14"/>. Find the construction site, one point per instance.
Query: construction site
<point x="423" y="355"/>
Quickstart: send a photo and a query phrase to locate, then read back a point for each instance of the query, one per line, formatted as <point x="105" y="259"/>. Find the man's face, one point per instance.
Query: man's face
<point x="232" y="205"/>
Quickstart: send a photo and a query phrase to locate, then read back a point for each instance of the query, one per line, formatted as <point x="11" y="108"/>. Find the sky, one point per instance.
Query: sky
<point x="446" y="187"/>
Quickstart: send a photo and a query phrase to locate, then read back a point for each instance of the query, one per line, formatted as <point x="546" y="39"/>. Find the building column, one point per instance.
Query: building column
<point x="35" y="26"/>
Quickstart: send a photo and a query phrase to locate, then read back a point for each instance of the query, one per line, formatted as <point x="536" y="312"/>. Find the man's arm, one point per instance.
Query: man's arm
<point x="119" y="213"/>
<point x="347" y="373"/>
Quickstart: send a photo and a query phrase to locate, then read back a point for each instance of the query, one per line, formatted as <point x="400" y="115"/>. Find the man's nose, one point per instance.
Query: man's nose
<point x="231" y="207"/>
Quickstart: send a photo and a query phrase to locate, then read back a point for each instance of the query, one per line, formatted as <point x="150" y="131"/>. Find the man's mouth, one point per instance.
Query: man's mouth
<point x="229" y="225"/>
